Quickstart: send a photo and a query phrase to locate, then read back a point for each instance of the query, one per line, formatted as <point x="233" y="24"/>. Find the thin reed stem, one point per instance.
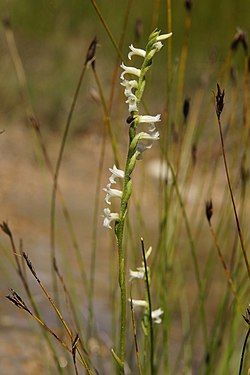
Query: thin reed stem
<point x="57" y="311"/>
<point x="4" y="226"/>
<point x="149" y="308"/>
<point x="220" y="103"/>
<point x="103" y="22"/>
<point x="183" y="63"/>
<point x="221" y="257"/>
<point x="22" y="79"/>
<point x="193" y="254"/>
<point x="135" y="336"/>
<point x="56" y="175"/>
<point x="96" y="208"/>
<point x="243" y="351"/>
<point x="106" y="113"/>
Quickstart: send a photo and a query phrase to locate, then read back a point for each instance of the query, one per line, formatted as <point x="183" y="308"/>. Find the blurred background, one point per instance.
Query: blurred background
<point x="52" y="38"/>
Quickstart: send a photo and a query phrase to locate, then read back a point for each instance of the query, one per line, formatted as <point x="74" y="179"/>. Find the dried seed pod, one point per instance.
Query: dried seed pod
<point x="219" y="100"/>
<point x="209" y="209"/>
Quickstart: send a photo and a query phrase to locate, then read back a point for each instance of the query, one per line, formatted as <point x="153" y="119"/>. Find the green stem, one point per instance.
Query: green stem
<point x="119" y="231"/>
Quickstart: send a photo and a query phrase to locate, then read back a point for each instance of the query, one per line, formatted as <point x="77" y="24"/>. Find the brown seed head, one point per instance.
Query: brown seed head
<point x="29" y="264"/>
<point x="219" y="100"/>
<point x="17" y="300"/>
<point x="5" y="228"/>
<point x="209" y="209"/>
<point x="90" y="57"/>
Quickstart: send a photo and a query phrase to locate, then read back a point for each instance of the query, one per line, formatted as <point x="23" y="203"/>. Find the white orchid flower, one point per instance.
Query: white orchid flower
<point x="132" y="103"/>
<point x="156" y="315"/>
<point x="130" y="70"/>
<point x="129" y="86"/>
<point x="116" y="173"/>
<point x="138" y="302"/>
<point x="148" y="119"/>
<point x="163" y="37"/>
<point x="154" y="136"/>
<point x="109" y="217"/>
<point x="111" y="193"/>
<point x="136" y="51"/>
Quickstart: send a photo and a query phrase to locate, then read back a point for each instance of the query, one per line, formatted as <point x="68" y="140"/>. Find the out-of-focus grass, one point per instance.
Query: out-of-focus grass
<point x="53" y="35"/>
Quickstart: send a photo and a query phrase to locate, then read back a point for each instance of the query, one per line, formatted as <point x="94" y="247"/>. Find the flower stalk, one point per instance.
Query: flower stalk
<point x="138" y="143"/>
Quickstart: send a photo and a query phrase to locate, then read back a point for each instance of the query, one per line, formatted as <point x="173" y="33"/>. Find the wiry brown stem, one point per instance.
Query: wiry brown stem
<point x="219" y="107"/>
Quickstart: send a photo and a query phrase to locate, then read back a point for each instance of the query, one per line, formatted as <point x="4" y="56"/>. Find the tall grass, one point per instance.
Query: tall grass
<point x="189" y="202"/>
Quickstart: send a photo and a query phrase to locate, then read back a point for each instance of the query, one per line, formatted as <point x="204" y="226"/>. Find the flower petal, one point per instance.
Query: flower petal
<point x="116" y="173"/>
<point x="136" y="274"/>
<point x="111" y="193"/>
<point x="136" y="51"/>
<point x="149" y="119"/>
<point x="155" y="136"/>
<point x="130" y="70"/>
<point x="138" y="302"/>
<point x="129" y="86"/>
<point x="108" y="217"/>
<point x="164" y="36"/>
<point x="132" y="103"/>
<point x="156" y="315"/>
